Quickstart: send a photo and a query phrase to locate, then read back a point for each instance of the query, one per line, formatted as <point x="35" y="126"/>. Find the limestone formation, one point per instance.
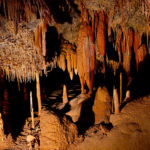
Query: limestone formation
<point x="76" y="105"/>
<point x="116" y="101"/>
<point x="2" y="136"/>
<point x="65" y="98"/>
<point x="102" y="105"/>
<point x="85" y="56"/>
<point x="101" y="33"/>
<point x="56" y="133"/>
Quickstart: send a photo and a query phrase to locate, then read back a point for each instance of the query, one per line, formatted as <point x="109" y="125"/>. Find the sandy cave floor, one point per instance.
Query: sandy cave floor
<point x="131" y="130"/>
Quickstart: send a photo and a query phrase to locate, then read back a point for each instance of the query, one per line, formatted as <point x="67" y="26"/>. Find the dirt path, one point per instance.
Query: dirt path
<point x="131" y="130"/>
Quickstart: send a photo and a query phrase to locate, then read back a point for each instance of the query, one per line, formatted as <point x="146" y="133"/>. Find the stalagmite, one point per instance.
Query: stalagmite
<point x="127" y="98"/>
<point x="101" y="33"/>
<point x="116" y="100"/>
<point x="65" y="98"/>
<point x="102" y="105"/>
<point x="32" y="110"/>
<point x="61" y="105"/>
<point x="38" y="92"/>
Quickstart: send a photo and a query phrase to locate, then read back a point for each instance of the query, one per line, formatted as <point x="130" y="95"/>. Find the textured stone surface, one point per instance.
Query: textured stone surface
<point x="102" y="105"/>
<point x="56" y="133"/>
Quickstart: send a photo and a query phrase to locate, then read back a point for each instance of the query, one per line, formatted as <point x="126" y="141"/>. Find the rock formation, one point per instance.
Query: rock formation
<point x="102" y="105"/>
<point x="85" y="54"/>
<point x="2" y="135"/>
<point x="76" y="106"/>
<point x="56" y="133"/>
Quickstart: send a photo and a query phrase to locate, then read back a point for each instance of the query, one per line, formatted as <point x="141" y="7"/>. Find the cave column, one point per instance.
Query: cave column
<point x="38" y="92"/>
<point x="120" y="88"/>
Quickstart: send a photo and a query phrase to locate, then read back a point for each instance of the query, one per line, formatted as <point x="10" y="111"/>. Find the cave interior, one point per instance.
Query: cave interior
<point x="67" y="66"/>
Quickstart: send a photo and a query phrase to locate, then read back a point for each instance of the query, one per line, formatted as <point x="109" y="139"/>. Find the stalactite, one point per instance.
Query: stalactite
<point x="71" y="75"/>
<point x="72" y="60"/>
<point x="131" y="37"/>
<point x="96" y="23"/>
<point x="75" y="62"/>
<point x="149" y="47"/>
<point x="147" y="34"/>
<point x="137" y="43"/>
<point x="85" y="56"/>
<point x="123" y="44"/>
<point x="141" y="53"/>
<point x="61" y="62"/>
<point x="93" y="22"/>
<point x="69" y="63"/>
<point x="118" y="43"/>
<point x="38" y="45"/>
<point x="4" y="7"/>
<point x="127" y="55"/>
<point x="27" y="13"/>
<point x="44" y="30"/>
<point x="109" y="30"/>
<point x="101" y="33"/>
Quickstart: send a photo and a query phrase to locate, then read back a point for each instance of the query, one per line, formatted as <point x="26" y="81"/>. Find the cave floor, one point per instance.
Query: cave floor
<point x="131" y="130"/>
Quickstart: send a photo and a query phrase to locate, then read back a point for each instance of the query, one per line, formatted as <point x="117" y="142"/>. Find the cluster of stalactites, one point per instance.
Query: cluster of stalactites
<point x="68" y="59"/>
<point x="97" y="20"/>
<point x="85" y="51"/>
<point x="126" y="41"/>
<point x="24" y="10"/>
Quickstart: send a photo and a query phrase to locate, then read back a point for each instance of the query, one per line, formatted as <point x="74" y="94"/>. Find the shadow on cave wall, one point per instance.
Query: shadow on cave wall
<point x="140" y="85"/>
<point x="61" y="10"/>
<point x="15" y="105"/>
<point x="52" y="43"/>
